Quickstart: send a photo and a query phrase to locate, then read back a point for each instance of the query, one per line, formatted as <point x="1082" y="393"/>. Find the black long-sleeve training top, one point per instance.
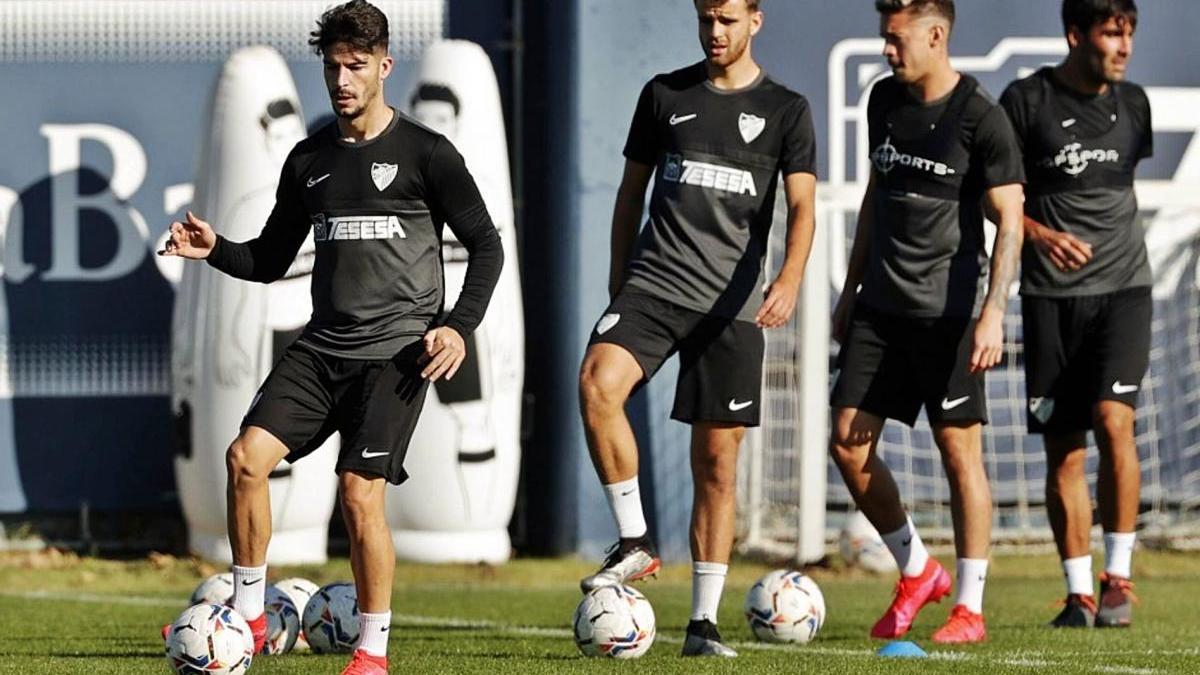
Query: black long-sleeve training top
<point x="376" y="209"/>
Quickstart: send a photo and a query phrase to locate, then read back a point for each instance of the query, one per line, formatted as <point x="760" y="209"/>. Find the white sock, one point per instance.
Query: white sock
<point x="1079" y="575"/>
<point x="908" y="549"/>
<point x="708" y="580"/>
<point x="625" y="500"/>
<point x="249" y="588"/>
<point x="373" y="630"/>
<point x="1118" y="553"/>
<point x="972" y="575"/>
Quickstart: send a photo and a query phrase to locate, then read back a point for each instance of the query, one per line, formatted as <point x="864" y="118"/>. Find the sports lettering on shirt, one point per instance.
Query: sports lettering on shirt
<point x="351" y="228"/>
<point x="713" y="176"/>
<point x="886" y="157"/>
<point x="1074" y="160"/>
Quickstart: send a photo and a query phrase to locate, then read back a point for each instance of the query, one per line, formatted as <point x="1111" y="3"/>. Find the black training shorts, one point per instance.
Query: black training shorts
<point x="892" y="365"/>
<point x="373" y="404"/>
<point x="720" y="359"/>
<point x="1082" y="350"/>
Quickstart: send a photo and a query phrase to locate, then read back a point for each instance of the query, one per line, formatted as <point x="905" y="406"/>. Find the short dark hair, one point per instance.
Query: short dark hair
<point x="942" y="8"/>
<point x="429" y="91"/>
<point x="751" y="5"/>
<point x="1083" y="14"/>
<point x="357" y="23"/>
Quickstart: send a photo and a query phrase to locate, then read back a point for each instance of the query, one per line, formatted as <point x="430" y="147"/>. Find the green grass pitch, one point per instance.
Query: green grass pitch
<point x="61" y="614"/>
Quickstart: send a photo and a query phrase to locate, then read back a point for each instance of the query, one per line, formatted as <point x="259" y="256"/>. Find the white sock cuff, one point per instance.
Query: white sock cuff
<point x="907" y="548"/>
<point x="972" y="575"/>
<point x="623" y="485"/>
<point x="625" y="500"/>
<point x="720" y="569"/>
<point x="249" y="590"/>
<point x="373" y="632"/>
<point x="1118" y="553"/>
<point x="1078" y="572"/>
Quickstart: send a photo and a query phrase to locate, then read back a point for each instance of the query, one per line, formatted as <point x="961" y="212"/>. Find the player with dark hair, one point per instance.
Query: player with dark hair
<point x="920" y="330"/>
<point x="1085" y="292"/>
<point x="375" y="188"/>
<point x="717" y="134"/>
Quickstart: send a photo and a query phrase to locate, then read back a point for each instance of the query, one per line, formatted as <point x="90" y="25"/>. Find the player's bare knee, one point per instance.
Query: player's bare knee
<point x="361" y="505"/>
<point x="1115" y="423"/>
<point x="600" y="393"/>
<point x="241" y="465"/>
<point x="849" y="445"/>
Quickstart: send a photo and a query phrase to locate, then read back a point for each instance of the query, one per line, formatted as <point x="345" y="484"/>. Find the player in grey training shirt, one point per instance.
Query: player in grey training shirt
<point x="920" y="331"/>
<point x="1085" y="292"/>
<point x="375" y="190"/>
<point x="717" y="135"/>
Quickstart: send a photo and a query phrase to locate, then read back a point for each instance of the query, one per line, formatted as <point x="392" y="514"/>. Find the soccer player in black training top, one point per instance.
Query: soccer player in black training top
<point x="375" y="189"/>
<point x="718" y="134"/>
<point x="1085" y="292"/>
<point x="920" y="331"/>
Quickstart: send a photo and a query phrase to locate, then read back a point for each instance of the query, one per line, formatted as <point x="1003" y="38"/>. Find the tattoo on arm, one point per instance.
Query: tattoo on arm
<point x="1005" y="256"/>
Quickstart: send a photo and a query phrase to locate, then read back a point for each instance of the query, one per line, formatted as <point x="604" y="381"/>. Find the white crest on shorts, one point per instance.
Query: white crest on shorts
<point x="606" y="323"/>
<point x="383" y="174"/>
<point x="1041" y="407"/>
<point x="751" y="126"/>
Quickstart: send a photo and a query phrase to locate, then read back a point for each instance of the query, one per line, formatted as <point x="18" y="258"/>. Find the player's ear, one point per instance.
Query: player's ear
<point x="386" y="64"/>
<point x="756" y="22"/>
<point x="1074" y="37"/>
<point x="938" y="35"/>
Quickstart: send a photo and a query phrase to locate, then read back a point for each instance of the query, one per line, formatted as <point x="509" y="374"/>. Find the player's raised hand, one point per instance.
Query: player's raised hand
<point x="445" y="350"/>
<point x="190" y="238"/>
<point x="1065" y="250"/>
<point x="988" y="342"/>
<point x="779" y="304"/>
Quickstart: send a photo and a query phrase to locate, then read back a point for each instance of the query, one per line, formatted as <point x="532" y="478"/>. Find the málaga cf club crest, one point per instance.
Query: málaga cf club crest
<point x="383" y="174"/>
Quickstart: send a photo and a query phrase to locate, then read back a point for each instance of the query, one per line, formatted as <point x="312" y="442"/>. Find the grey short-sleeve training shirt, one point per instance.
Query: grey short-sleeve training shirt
<point x="1080" y="154"/>
<point x="718" y="155"/>
<point x="933" y="163"/>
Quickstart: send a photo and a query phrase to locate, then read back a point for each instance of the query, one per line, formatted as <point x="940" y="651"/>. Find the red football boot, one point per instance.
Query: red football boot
<point x="365" y="664"/>
<point x="963" y="627"/>
<point x="912" y="593"/>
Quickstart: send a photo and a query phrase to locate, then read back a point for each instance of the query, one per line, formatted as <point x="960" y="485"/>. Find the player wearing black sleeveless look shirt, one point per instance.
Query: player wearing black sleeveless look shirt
<point x="921" y="330"/>
<point x="716" y="136"/>
<point x="1086" y="291"/>
<point x="375" y="189"/>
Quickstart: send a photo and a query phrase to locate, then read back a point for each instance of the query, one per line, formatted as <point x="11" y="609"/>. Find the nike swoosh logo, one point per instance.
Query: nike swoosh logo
<point x="947" y="404"/>
<point x="1068" y="123"/>
<point x="907" y="542"/>
<point x="372" y="455"/>
<point x="680" y="119"/>
<point x="247" y="582"/>
<point x="1119" y="388"/>
<point x="314" y="181"/>
<point x="735" y="406"/>
<point x="626" y="494"/>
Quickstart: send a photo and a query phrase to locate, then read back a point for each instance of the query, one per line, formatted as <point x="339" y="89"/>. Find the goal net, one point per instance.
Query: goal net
<point x="776" y="480"/>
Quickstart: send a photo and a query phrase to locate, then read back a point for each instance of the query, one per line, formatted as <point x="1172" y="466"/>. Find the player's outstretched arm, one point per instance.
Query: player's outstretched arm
<point x="1005" y="203"/>
<point x="190" y="238"/>
<point x="780" y="302"/>
<point x="627" y="216"/>
<point x="856" y="266"/>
